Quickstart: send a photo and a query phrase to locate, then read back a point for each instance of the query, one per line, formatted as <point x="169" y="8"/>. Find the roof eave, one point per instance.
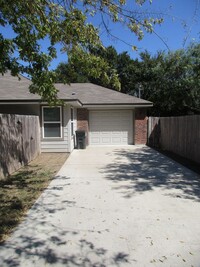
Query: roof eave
<point x="128" y="105"/>
<point x="74" y="102"/>
<point x="78" y="103"/>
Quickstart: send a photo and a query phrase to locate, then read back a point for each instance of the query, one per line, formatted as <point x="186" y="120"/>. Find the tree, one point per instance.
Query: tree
<point x="62" y="22"/>
<point x="124" y="66"/>
<point x="116" y="71"/>
<point x="127" y="69"/>
<point x="82" y="67"/>
<point x="68" y="73"/>
<point x="119" y="71"/>
<point x="172" y="81"/>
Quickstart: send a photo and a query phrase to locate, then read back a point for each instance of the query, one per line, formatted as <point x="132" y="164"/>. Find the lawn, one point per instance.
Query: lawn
<point x="19" y="191"/>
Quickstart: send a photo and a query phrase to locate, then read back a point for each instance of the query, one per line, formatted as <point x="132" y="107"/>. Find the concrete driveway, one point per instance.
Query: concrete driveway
<point x="112" y="206"/>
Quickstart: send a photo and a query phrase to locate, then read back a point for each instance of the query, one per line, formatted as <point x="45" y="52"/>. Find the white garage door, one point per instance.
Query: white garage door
<point x="111" y="127"/>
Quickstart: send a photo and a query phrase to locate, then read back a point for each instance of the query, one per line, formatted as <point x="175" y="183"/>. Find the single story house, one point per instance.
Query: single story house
<point x="108" y="117"/>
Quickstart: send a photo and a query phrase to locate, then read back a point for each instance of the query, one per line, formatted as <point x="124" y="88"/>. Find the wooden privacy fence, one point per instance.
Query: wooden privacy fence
<point x="180" y="135"/>
<point x="19" y="141"/>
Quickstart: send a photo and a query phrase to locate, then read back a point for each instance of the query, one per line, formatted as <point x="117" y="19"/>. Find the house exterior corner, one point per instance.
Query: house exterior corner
<point x="140" y="126"/>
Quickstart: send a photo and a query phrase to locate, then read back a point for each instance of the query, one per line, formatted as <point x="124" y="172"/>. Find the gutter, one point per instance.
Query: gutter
<point x="39" y="102"/>
<point x="117" y="105"/>
<point x="78" y="103"/>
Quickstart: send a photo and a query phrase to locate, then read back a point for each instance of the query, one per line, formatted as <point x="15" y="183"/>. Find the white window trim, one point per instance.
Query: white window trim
<point x="50" y="122"/>
<point x="72" y="122"/>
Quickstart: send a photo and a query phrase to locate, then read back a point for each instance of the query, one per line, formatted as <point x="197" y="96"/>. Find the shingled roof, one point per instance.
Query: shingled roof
<point x="13" y="89"/>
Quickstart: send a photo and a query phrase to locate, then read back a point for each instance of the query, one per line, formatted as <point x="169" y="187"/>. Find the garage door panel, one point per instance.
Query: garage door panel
<point x="95" y="140"/>
<point x="96" y="134"/>
<point x="124" y="134"/>
<point x="110" y="127"/>
<point x="105" y="140"/>
<point x="116" y="140"/>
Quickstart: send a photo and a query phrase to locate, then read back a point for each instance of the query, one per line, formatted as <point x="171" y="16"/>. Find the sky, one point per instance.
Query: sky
<point x="172" y="32"/>
<point x="171" y="35"/>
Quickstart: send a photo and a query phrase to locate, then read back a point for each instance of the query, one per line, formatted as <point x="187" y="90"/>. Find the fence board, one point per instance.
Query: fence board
<point x="19" y="141"/>
<point x="180" y="135"/>
<point x="154" y="132"/>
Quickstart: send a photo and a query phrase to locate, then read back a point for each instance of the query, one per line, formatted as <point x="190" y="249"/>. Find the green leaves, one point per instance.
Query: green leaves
<point x="63" y="22"/>
<point x="171" y="81"/>
<point x="32" y="21"/>
<point x="84" y="66"/>
<point x="43" y="83"/>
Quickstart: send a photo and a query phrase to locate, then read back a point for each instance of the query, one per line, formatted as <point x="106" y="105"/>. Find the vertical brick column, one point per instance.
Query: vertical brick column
<point x="83" y="121"/>
<point x="140" y="126"/>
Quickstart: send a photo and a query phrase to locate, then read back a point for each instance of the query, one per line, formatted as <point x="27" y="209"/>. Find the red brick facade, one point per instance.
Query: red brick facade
<point x="83" y="121"/>
<point x="140" y="126"/>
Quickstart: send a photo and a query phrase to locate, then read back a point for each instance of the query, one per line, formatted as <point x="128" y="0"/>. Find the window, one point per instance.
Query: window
<point x="72" y="121"/>
<point x="52" y="122"/>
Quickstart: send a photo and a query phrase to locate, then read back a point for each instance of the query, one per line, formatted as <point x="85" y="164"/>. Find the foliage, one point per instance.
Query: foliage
<point x="110" y="69"/>
<point x="171" y="81"/>
<point x="31" y="22"/>
<point x="87" y="67"/>
<point x="63" y="22"/>
<point x="125" y="67"/>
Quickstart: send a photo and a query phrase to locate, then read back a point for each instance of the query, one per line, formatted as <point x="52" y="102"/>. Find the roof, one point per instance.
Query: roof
<point x="13" y="89"/>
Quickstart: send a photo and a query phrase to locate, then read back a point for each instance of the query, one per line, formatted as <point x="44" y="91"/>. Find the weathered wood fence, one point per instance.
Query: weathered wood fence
<point x="180" y="135"/>
<point x="19" y="141"/>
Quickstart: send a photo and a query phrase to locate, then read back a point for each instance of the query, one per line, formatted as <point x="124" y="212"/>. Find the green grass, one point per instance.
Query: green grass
<point x="19" y="192"/>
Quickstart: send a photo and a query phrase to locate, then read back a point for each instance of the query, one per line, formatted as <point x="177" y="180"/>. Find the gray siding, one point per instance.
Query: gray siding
<point x="35" y="109"/>
<point x="63" y="145"/>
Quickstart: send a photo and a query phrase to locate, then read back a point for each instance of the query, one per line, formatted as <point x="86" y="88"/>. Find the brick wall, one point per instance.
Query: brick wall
<point x="140" y="126"/>
<point x="82" y="121"/>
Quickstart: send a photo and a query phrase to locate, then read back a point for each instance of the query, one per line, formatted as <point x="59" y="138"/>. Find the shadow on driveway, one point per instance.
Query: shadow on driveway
<point x="144" y="169"/>
<point x="86" y="217"/>
<point x="44" y="239"/>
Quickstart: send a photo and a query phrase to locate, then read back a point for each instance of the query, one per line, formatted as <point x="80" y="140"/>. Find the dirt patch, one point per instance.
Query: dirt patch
<point x="51" y="161"/>
<point x="19" y="191"/>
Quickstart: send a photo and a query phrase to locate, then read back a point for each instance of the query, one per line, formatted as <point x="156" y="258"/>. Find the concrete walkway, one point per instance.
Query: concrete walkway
<point x="114" y="206"/>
